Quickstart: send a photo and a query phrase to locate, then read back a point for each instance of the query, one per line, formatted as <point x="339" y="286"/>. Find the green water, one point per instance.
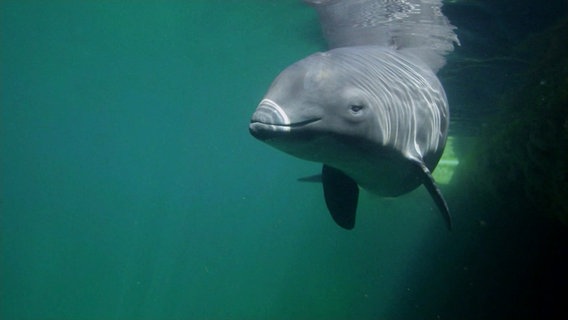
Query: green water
<point x="130" y="187"/>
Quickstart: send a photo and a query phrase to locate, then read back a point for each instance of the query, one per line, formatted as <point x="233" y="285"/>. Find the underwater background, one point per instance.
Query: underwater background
<point x="130" y="187"/>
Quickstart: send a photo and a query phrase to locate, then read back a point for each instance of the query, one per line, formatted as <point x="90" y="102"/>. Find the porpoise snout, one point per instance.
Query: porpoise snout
<point x="268" y="119"/>
<point x="269" y="112"/>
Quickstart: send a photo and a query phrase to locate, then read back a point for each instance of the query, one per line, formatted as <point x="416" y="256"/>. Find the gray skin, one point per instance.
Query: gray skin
<point x="375" y="117"/>
<point x="371" y="110"/>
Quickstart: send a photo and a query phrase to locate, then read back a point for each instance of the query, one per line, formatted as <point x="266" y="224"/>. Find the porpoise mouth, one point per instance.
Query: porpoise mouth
<point x="269" y="120"/>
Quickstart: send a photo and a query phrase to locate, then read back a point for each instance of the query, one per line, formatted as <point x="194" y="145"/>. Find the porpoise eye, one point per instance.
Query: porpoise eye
<point x="356" y="109"/>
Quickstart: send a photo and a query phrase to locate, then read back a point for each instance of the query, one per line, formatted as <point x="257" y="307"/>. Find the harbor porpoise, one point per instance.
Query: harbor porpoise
<point x="371" y="109"/>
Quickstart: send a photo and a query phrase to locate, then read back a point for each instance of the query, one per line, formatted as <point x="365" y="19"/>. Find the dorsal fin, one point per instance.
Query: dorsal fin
<point x="415" y="26"/>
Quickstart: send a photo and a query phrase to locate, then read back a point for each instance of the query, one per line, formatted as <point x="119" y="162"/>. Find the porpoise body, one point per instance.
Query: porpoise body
<point x="376" y="116"/>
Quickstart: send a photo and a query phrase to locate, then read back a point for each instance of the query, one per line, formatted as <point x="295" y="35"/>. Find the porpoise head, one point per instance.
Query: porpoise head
<point x="312" y="107"/>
